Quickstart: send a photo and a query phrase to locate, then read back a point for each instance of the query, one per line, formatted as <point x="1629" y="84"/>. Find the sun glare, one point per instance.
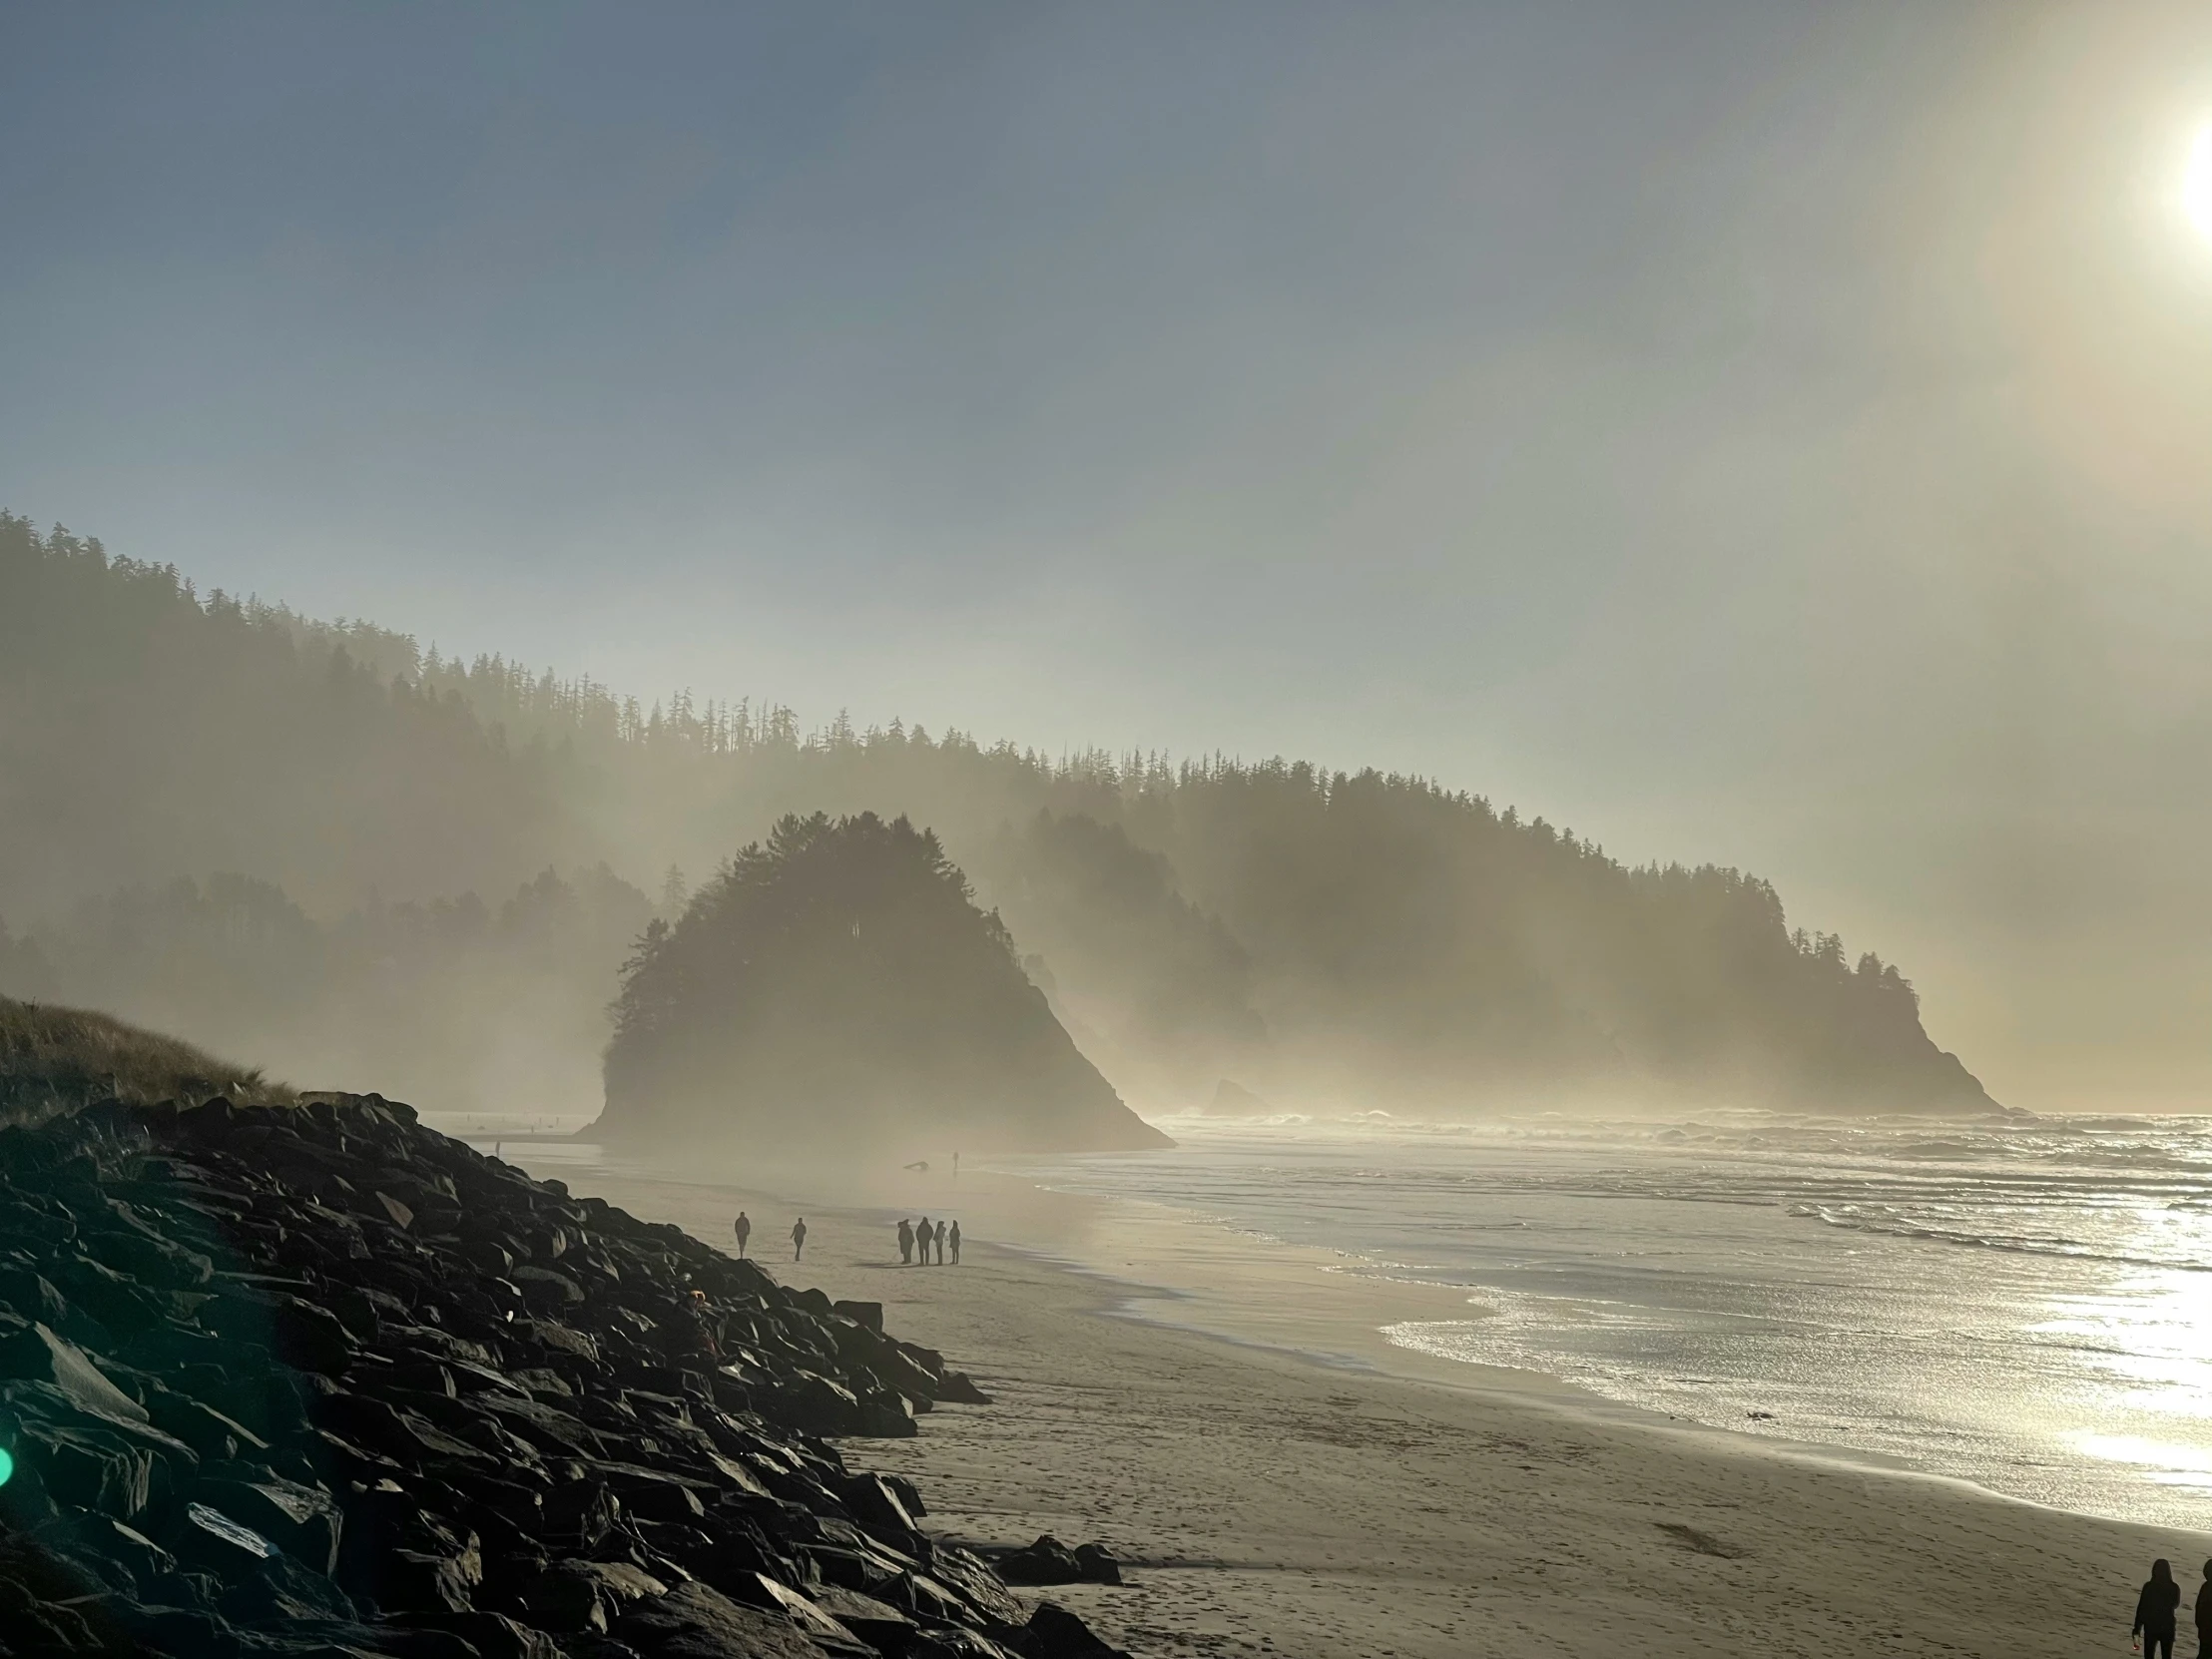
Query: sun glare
<point x="2196" y="187"/>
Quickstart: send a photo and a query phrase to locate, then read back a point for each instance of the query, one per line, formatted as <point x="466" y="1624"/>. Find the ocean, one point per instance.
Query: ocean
<point x="2024" y="1304"/>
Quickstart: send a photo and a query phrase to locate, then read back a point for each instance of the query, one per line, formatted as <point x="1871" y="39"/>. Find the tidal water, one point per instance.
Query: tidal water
<point x="2023" y="1305"/>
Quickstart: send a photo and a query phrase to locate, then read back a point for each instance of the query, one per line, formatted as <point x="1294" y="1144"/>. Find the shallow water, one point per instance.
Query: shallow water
<point x="2024" y="1306"/>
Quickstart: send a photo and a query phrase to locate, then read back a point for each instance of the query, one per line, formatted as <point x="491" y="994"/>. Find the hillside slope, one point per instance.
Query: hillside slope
<point x="1325" y="935"/>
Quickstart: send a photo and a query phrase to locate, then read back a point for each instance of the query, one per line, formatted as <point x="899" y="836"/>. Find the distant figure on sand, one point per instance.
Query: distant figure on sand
<point x="940" y="1243"/>
<point x="906" y="1242"/>
<point x="2154" y="1612"/>
<point x="744" y="1232"/>
<point x="956" y="1244"/>
<point x="921" y="1239"/>
<point x="798" y="1238"/>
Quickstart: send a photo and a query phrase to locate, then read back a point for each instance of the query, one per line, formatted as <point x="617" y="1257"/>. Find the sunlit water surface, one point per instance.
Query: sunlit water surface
<point x="2027" y="1305"/>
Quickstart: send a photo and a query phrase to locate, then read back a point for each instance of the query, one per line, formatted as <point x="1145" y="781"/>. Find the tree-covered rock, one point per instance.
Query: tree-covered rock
<point x="834" y="989"/>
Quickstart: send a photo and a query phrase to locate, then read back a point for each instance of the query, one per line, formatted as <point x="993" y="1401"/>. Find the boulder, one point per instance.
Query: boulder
<point x="304" y="1521"/>
<point x="580" y="1596"/>
<point x="1047" y="1561"/>
<point x="489" y="1635"/>
<point x="1055" y="1633"/>
<point x="1097" y="1564"/>
<point x="693" y="1621"/>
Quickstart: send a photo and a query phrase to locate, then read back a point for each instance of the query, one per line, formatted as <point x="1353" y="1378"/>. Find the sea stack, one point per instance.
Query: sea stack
<point x="838" y="987"/>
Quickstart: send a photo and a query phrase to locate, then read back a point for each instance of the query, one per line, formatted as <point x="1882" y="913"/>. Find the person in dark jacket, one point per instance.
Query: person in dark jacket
<point x="2154" y="1612"/>
<point x="2204" y="1614"/>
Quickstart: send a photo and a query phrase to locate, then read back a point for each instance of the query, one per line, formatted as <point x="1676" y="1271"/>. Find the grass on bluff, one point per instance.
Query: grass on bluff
<point x="58" y="1059"/>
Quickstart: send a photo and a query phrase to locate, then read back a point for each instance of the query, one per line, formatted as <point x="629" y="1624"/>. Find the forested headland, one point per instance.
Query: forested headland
<point x="319" y="845"/>
<point x="837" y="986"/>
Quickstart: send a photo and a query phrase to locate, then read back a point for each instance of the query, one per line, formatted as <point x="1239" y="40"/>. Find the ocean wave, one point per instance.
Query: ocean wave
<point x="1905" y="1227"/>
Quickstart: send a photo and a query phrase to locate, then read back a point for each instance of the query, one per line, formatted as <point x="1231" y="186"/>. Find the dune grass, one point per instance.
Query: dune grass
<point x="60" y="1059"/>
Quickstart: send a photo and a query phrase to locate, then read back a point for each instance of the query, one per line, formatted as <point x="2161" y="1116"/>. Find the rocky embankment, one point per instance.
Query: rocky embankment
<point x="315" y="1380"/>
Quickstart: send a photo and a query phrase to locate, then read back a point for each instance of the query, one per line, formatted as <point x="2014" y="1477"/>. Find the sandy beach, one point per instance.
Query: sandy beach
<point x="1281" y="1481"/>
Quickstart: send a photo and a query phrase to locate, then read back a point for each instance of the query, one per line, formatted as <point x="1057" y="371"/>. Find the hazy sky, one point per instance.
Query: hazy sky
<point x="1776" y="434"/>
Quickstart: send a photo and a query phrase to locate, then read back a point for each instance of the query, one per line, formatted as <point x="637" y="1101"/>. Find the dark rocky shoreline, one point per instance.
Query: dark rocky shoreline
<point x="316" y="1380"/>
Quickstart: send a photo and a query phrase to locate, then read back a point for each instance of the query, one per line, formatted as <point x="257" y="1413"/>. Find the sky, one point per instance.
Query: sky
<point x="1764" y="433"/>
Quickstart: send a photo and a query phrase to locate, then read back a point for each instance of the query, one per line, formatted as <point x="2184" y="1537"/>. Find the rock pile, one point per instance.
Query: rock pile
<point x="315" y="1379"/>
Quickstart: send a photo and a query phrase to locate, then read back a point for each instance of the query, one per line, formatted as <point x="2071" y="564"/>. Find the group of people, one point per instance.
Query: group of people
<point x="2156" y="1609"/>
<point x="924" y="1234"/>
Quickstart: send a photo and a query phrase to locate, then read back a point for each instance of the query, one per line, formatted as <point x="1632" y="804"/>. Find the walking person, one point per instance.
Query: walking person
<point x="940" y="1243"/>
<point x="956" y="1256"/>
<point x="798" y="1238"/>
<point x="921" y="1239"/>
<point x="744" y="1232"/>
<point x="906" y="1242"/>
<point x="2154" y="1612"/>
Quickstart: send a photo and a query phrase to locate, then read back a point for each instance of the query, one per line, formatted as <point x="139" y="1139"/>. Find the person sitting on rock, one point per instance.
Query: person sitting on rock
<point x="798" y="1238"/>
<point x="921" y="1239"/>
<point x="906" y="1242"/>
<point x="703" y="1327"/>
<point x="744" y="1232"/>
<point x="955" y="1241"/>
<point x="940" y="1243"/>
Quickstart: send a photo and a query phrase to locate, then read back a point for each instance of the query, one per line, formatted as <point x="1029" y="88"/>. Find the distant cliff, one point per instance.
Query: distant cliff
<point x="836" y="990"/>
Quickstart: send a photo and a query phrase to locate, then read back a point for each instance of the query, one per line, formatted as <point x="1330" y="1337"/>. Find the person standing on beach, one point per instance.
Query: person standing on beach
<point x="906" y="1242"/>
<point x="2204" y="1614"/>
<point x="956" y="1244"/>
<point x="921" y="1239"/>
<point x="940" y="1243"/>
<point x="744" y="1232"/>
<point x="2154" y="1612"/>
<point x="798" y="1238"/>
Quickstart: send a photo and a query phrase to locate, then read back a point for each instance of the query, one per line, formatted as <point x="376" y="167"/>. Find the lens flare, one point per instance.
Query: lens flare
<point x="7" y="1465"/>
<point x="2196" y="184"/>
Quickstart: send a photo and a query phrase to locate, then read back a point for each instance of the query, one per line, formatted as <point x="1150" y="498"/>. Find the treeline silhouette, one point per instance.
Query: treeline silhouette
<point x="456" y="1001"/>
<point x="837" y="986"/>
<point x="1319" y="934"/>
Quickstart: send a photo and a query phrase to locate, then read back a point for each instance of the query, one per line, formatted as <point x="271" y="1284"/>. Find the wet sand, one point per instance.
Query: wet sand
<point x="1281" y="1481"/>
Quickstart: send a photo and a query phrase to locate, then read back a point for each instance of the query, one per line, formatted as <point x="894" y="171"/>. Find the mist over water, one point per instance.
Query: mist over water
<point x="2023" y="1305"/>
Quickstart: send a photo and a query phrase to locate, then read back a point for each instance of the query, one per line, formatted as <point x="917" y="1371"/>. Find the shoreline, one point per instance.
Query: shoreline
<point x="1145" y="1297"/>
<point x="1280" y="1482"/>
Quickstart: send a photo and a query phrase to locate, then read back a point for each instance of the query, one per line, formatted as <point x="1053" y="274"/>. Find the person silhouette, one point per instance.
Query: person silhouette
<point x="744" y="1232"/>
<point x="940" y="1243"/>
<point x="2154" y="1612"/>
<point x="906" y="1242"/>
<point x="921" y="1239"/>
<point x="955" y="1241"/>
<point x="798" y="1238"/>
<point x="2204" y="1615"/>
